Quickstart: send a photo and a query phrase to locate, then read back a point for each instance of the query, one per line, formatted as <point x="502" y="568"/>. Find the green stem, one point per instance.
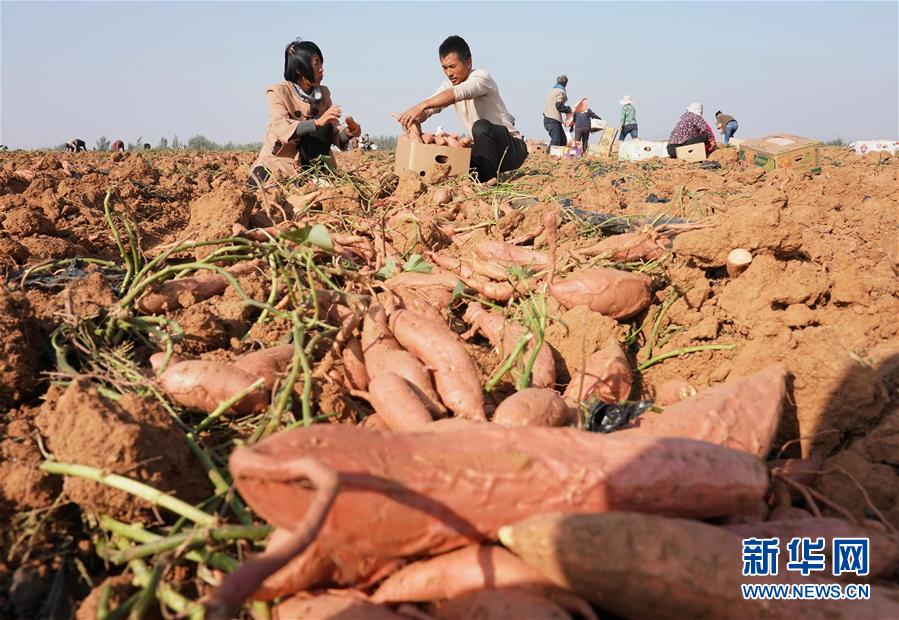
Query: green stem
<point x="148" y="593"/>
<point x="508" y="363"/>
<point x="227" y="404"/>
<point x="138" y="489"/>
<point x="677" y="352"/>
<point x="190" y="540"/>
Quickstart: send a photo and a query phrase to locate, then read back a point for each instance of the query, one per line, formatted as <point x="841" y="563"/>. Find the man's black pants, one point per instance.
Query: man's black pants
<point x="494" y="150"/>
<point x="557" y="135"/>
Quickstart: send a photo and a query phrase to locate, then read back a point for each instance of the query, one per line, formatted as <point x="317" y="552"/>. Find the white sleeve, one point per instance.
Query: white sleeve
<point x="477" y="85"/>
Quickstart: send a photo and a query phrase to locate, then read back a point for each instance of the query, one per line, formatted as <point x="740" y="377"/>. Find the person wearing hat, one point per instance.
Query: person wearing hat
<point x="556" y="106"/>
<point x="628" y="118"/>
<point x="727" y="125"/>
<point x="583" y="116"/>
<point x="690" y="129"/>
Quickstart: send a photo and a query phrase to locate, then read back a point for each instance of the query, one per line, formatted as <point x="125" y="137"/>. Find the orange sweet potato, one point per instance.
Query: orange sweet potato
<point x="443" y="352"/>
<point x="428" y="492"/>
<point x="614" y="293"/>
<point x="426" y="301"/>
<point x="647" y="566"/>
<point x="499" y="605"/>
<point x="475" y="567"/>
<point x="427" y="138"/>
<point x="375" y="330"/>
<point x="504" y="335"/>
<point x="440" y="140"/>
<point x="607" y="376"/>
<point x="625" y="248"/>
<point x="508" y="254"/>
<point x="453" y="141"/>
<point x="354" y="364"/>
<point x="319" y="567"/>
<point x="183" y="292"/>
<point x="267" y="364"/>
<point x="532" y="407"/>
<point x="203" y="385"/>
<point x="397" y="403"/>
<point x="332" y="606"/>
<point x="380" y="359"/>
<point x="157" y="359"/>
<point x="742" y="414"/>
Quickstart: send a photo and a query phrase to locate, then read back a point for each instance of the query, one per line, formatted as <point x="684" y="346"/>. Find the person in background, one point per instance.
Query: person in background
<point x="117" y="145"/>
<point x="556" y="106"/>
<point x="691" y="128"/>
<point x="303" y="122"/>
<point x="76" y="145"/>
<point x="727" y="125"/>
<point x="496" y="144"/>
<point x="582" y="127"/>
<point x="628" y="118"/>
<point x="365" y="143"/>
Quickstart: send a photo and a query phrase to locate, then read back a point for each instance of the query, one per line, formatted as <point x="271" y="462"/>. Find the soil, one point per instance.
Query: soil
<point x="821" y="296"/>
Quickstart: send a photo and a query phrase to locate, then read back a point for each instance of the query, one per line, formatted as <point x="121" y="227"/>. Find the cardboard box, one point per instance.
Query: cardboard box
<point x="863" y="147"/>
<point x="781" y="151"/>
<point x="566" y="151"/>
<point x="691" y="152"/>
<point x="640" y="150"/>
<point x="603" y="148"/>
<point x="421" y="158"/>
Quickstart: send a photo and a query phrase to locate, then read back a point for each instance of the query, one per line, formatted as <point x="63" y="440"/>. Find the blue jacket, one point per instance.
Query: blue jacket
<point x="582" y="119"/>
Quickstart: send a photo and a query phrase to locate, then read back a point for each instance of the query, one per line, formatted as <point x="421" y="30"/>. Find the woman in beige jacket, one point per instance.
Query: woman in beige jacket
<point x="303" y="123"/>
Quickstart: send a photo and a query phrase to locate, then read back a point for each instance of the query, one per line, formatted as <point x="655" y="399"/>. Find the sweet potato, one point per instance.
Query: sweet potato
<point x="647" y="566"/>
<point x="203" y="385"/>
<point x="453" y="141"/>
<point x="607" y="376"/>
<point x="440" y="140"/>
<point x="466" y="141"/>
<point x="427" y="138"/>
<point x="354" y="365"/>
<point x="428" y="492"/>
<point x="475" y="567"/>
<point x="504" y="335"/>
<point x="380" y="359"/>
<point x="883" y="548"/>
<point x="157" y="359"/>
<point x="374" y="422"/>
<point x="332" y="607"/>
<point x="183" y="292"/>
<point x="267" y="364"/>
<point x="614" y="293"/>
<point x="499" y="605"/>
<point x="742" y="414"/>
<point x="625" y="247"/>
<point x="436" y="287"/>
<point x="508" y="254"/>
<point x="318" y="567"/>
<point x="375" y="330"/>
<point x="455" y="375"/>
<point x="532" y="407"/>
<point x="397" y="403"/>
<point x="426" y="301"/>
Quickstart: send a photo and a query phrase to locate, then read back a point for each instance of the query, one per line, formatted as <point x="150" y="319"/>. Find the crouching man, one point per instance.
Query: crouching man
<point x="497" y="145"/>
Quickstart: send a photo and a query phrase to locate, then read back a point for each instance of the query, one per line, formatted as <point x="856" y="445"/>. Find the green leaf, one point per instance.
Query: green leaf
<point x="387" y="270"/>
<point x="458" y="290"/>
<point x="417" y="264"/>
<point x="316" y="235"/>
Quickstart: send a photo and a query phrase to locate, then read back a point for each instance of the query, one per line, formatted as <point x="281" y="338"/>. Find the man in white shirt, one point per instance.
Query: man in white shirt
<point x="497" y="146"/>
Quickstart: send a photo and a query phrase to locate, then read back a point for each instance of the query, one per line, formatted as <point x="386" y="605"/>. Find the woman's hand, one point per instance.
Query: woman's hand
<point x="331" y="116"/>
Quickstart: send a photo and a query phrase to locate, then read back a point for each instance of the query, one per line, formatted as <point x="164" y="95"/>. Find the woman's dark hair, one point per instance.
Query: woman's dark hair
<point x="455" y="44"/>
<point x="718" y="113"/>
<point x="298" y="60"/>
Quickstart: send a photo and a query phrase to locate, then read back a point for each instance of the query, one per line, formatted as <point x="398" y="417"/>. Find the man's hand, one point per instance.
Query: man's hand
<point x="331" y="116"/>
<point x="415" y="114"/>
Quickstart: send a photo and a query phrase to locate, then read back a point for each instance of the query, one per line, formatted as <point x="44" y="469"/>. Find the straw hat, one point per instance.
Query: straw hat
<point x="626" y="100"/>
<point x="695" y="108"/>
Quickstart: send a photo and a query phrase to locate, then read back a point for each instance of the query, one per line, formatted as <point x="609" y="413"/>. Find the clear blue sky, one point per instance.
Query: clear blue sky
<point x="128" y="69"/>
